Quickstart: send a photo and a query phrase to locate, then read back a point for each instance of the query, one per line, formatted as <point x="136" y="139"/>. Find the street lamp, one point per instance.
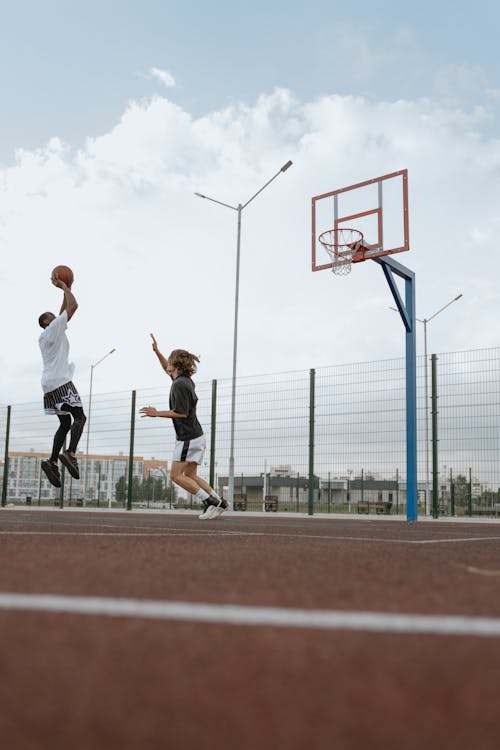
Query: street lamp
<point x="88" y="421"/>
<point x="425" y="321"/>
<point x="239" y="208"/>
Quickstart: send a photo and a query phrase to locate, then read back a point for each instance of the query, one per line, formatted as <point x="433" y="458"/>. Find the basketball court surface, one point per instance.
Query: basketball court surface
<point x="156" y="630"/>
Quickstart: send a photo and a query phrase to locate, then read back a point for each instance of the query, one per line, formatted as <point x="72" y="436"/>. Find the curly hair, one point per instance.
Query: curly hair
<point x="183" y="361"/>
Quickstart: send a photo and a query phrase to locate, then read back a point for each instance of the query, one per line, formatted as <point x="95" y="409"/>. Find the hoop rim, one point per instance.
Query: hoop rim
<point x="335" y="246"/>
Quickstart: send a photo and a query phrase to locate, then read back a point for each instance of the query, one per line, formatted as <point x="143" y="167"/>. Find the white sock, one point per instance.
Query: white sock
<point x="202" y="495"/>
<point x="214" y="494"/>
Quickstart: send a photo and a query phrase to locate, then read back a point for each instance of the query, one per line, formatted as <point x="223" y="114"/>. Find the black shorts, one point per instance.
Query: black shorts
<point x="65" y="394"/>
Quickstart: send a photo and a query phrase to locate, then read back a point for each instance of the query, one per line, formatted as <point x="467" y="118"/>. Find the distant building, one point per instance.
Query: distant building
<point x="98" y="476"/>
<point x="286" y="488"/>
<point x="292" y="490"/>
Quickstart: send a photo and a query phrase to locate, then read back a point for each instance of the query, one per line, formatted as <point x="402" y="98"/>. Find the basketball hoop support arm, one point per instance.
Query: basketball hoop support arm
<point x="407" y="311"/>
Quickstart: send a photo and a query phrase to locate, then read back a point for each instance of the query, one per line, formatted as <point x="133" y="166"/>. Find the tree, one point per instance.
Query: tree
<point x="121" y="490"/>
<point x="461" y="487"/>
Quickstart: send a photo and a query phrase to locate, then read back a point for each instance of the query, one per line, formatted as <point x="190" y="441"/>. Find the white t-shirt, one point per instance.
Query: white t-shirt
<point x="54" y="346"/>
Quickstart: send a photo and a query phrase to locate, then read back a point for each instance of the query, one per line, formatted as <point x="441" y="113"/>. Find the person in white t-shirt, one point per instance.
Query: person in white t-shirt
<point x="60" y="395"/>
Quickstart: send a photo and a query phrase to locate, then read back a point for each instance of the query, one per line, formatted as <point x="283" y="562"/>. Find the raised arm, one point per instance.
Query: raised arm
<point x="163" y="360"/>
<point x="69" y="302"/>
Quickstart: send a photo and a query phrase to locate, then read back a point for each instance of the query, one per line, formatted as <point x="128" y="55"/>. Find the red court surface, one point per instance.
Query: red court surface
<point x="145" y="630"/>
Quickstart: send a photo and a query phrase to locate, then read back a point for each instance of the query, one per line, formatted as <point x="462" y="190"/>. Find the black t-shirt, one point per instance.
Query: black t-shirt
<point x="183" y="400"/>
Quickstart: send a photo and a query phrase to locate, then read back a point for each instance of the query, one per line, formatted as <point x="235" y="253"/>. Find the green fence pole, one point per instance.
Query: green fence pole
<point x="310" y="494"/>
<point x="6" y="460"/>
<point x="469" y="497"/>
<point x="39" y="481"/>
<point x="61" y="491"/>
<point x="452" y="494"/>
<point x="435" y="507"/>
<point x="213" y="425"/>
<point x="63" y="476"/>
<point x="131" y="453"/>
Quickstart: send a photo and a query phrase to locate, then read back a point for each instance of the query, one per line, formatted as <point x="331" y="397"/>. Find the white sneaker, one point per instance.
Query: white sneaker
<point x="206" y="509"/>
<point x="219" y="509"/>
<point x="208" y="514"/>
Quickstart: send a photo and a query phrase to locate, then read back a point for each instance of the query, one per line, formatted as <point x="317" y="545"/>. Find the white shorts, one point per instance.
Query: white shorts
<point x="190" y="450"/>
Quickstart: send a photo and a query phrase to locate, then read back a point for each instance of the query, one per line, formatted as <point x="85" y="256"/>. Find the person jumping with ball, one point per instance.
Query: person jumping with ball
<point x="60" y="395"/>
<point x="190" y="441"/>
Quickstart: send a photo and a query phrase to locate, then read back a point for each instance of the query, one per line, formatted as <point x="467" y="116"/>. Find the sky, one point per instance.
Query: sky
<point x="113" y="114"/>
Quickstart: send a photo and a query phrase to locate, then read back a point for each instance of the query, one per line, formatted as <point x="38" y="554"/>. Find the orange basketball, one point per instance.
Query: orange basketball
<point x="65" y="274"/>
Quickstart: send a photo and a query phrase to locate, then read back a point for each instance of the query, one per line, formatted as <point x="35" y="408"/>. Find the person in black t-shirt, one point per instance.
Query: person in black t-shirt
<point x="190" y="441"/>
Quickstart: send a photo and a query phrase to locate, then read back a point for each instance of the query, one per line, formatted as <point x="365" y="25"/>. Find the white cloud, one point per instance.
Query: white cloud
<point x="150" y="256"/>
<point x="166" y="78"/>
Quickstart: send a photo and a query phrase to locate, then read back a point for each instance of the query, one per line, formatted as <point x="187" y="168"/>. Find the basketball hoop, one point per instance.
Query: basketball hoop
<point x="341" y="244"/>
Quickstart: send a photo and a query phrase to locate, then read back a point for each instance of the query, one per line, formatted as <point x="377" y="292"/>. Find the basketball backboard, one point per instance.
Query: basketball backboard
<point x="378" y="208"/>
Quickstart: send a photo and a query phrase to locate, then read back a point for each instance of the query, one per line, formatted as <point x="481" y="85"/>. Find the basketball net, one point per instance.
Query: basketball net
<point x="341" y="244"/>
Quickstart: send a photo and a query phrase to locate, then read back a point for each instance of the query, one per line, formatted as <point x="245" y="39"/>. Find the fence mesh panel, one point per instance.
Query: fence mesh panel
<point x="358" y="457"/>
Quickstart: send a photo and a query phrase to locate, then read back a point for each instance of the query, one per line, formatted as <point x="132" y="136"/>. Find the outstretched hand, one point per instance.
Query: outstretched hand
<point x="148" y="411"/>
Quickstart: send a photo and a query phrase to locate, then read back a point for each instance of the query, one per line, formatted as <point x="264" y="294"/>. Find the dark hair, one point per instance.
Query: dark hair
<point x="183" y="361"/>
<point x="42" y="320"/>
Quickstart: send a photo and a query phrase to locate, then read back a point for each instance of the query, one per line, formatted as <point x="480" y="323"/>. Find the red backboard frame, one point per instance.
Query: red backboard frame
<point x="376" y="249"/>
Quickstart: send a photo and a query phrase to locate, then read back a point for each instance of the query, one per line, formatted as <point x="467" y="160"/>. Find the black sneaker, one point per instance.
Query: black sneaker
<point x="70" y="463"/>
<point x="51" y="471"/>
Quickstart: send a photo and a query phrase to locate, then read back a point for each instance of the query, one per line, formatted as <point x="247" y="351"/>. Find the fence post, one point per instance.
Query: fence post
<point x="435" y="470"/>
<point x="310" y="493"/>
<point x="61" y="491"/>
<point x="63" y="476"/>
<point x="131" y="453"/>
<point x="452" y="494"/>
<point x="39" y="481"/>
<point x="469" y="494"/>
<point x="213" y="424"/>
<point x="6" y="460"/>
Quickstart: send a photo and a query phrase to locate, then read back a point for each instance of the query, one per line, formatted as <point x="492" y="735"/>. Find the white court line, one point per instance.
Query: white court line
<point x="164" y="535"/>
<point x="228" y="614"/>
<point x="210" y="531"/>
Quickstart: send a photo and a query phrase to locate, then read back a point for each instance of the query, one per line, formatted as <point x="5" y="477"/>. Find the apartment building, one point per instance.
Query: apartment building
<point x="99" y="475"/>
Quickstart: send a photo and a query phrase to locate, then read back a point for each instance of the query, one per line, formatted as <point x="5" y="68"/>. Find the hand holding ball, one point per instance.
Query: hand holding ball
<point x="64" y="273"/>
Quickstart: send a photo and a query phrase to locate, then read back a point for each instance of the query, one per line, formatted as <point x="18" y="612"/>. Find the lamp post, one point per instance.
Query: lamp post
<point x="88" y="421"/>
<point x="239" y="208"/>
<point x="348" y="498"/>
<point x="425" y="321"/>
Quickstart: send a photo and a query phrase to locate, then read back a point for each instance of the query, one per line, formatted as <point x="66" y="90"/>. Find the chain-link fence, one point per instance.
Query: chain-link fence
<point x="334" y="434"/>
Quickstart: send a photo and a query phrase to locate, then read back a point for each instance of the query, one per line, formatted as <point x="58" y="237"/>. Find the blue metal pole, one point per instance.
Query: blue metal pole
<point x="411" y="404"/>
<point x="407" y="312"/>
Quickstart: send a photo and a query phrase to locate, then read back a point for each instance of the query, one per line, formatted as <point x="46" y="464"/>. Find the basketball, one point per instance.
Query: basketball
<point x="65" y="274"/>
